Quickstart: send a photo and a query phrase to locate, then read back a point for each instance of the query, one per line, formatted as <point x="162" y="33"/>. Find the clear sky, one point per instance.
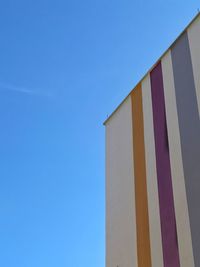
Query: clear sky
<point x="64" y="66"/>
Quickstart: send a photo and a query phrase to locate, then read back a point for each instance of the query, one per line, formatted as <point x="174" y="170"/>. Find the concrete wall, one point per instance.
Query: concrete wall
<point x="153" y="164"/>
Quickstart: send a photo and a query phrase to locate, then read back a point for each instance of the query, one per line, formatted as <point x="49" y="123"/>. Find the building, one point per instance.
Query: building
<point x="153" y="164"/>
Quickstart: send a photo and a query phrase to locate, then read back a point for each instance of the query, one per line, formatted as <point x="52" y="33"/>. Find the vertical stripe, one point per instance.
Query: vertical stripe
<point x="178" y="182"/>
<point x="151" y="176"/>
<point x="167" y="213"/>
<point x="190" y="133"/>
<point x="194" y="41"/>
<point x="142" y="221"/>
<point x="121" y="247"/>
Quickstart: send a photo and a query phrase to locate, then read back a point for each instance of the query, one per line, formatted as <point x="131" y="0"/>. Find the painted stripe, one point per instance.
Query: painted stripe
<point x="142" y="221"/>
<point x="188" y="116"/>
<point x="151" y="176"/>
<point x="194" y="41"/>
<point x="167" y="213"/>
<point x="121" y="244"/>
<point x="178" y="182"/>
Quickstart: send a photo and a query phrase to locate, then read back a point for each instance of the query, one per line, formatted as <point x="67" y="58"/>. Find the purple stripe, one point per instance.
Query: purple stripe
<point x="165" y="191"/>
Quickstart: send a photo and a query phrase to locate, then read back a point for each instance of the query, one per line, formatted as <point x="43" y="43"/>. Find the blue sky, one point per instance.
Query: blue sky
<point x="64" y="66"/>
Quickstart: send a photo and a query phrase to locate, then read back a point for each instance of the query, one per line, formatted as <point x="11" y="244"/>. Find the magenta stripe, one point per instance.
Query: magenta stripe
<point x="165" y="191"/>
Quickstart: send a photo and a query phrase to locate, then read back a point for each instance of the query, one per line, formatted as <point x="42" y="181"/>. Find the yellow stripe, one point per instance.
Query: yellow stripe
<point x="142" y="220"/>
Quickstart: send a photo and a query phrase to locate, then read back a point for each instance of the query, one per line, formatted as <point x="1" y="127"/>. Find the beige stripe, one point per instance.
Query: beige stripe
<point x="121" y="246"/>
<point x="180" y="200"/>
<point x="194" y="42"/>
<point x="151" y="176"/>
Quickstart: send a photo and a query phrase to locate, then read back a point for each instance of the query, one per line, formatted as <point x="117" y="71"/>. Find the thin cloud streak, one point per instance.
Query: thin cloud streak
<point x="23" y="90"/>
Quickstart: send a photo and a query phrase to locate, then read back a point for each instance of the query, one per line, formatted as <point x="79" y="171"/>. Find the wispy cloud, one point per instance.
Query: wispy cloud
<point x="24" y="90"/>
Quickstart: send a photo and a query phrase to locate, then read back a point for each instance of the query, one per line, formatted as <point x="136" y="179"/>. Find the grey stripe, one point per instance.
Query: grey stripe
<point x="189" y="132"/>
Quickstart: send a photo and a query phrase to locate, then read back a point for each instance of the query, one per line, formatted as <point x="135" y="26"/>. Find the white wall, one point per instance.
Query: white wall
<point x="121" y="249"/>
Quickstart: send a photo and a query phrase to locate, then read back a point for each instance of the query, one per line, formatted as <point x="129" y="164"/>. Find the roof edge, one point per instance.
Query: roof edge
<point x="149" y="70"/>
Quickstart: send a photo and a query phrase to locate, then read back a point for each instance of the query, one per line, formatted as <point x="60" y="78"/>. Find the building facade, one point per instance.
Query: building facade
<point x="153" y="164"/>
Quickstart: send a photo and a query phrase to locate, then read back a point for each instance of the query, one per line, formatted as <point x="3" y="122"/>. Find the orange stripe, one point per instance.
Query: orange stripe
<point x="142" y="218"/>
